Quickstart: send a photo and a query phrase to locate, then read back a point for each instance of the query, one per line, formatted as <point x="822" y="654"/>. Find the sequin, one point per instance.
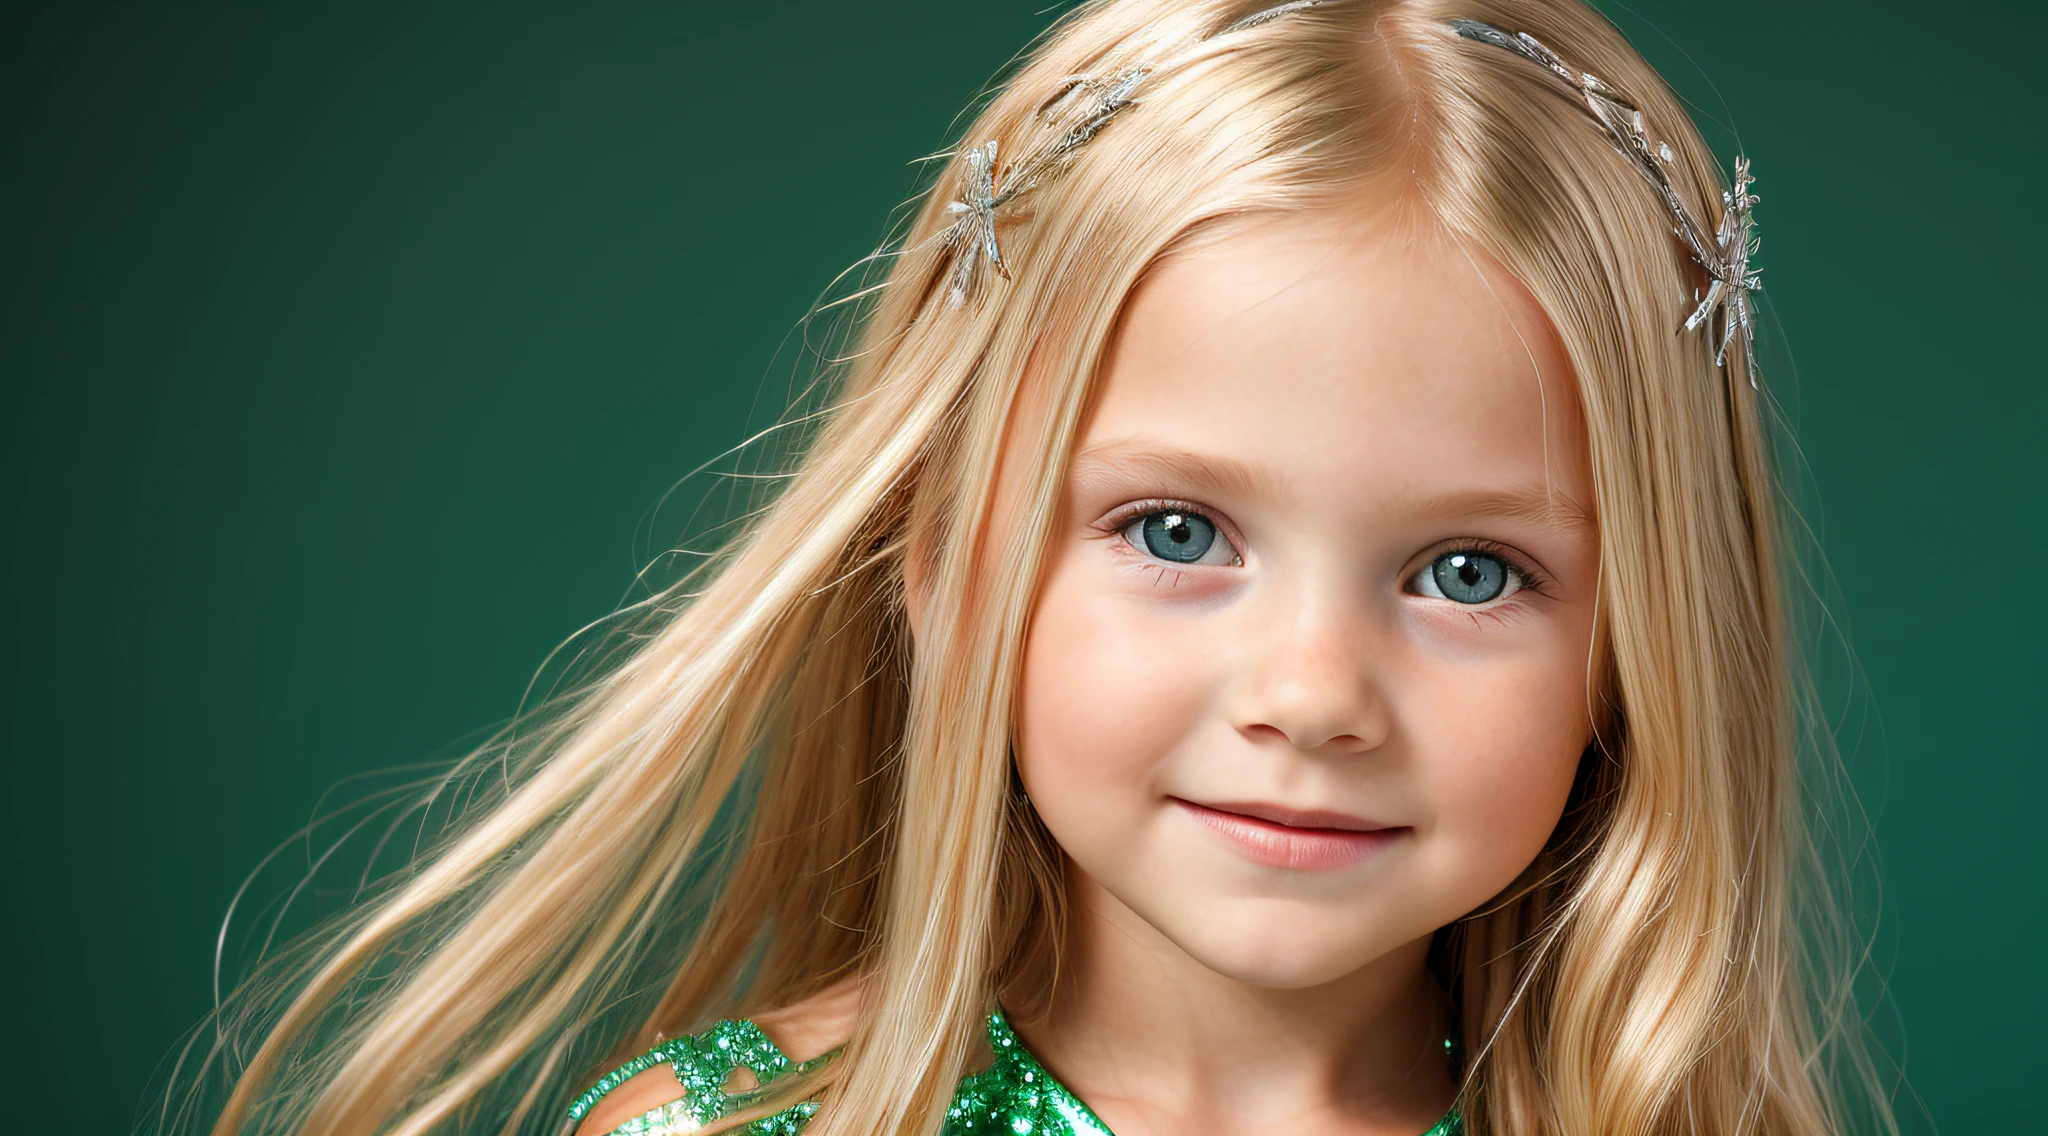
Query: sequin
<point x="703" y="1064"/>
<point x="1014" y="1095"/>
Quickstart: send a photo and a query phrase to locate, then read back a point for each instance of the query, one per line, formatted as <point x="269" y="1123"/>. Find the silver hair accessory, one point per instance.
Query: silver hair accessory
<point x="1082" y="106"/>
<point x="1725" y="252"/>
<point x="1270" y="14"/>
<point x="1085" y="105"/>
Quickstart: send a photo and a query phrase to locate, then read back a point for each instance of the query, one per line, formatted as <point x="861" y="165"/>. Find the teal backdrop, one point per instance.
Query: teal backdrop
<point x="348" y="349"/>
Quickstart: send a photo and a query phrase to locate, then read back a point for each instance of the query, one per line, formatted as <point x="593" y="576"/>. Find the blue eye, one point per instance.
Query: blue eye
<point x="1467" y="578"/>
<point x="1180" y="537"/>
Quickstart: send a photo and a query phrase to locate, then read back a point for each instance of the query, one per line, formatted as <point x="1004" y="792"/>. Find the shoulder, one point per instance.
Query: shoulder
<point x="675" y="1070"/>
<point x="636" y="1096"/>
<point x="816" y="1025"/>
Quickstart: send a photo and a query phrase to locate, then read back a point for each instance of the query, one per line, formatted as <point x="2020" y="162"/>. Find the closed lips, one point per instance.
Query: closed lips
<point x="1297" y="839"/>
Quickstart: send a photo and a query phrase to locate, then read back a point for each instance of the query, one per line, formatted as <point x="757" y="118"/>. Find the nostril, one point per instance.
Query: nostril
<point x="1308" y="742"/>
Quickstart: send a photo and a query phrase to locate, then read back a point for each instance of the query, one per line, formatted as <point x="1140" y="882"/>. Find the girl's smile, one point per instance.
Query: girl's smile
<point x="1303" y="840"/>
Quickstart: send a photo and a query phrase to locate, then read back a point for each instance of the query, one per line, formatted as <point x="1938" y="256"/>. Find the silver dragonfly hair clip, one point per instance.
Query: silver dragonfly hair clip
<point x="1084" y="106"/>
<point x="1079" y="109"/>
<point x="1725" y="252"/>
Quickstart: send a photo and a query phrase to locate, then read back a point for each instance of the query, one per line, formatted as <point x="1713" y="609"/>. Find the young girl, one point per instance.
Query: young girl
<point x="1279" y="630"/>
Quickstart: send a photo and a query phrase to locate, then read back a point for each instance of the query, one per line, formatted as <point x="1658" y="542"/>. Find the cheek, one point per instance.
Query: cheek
<point x="1499" y="769"/>
<point x="1106" y="698"/>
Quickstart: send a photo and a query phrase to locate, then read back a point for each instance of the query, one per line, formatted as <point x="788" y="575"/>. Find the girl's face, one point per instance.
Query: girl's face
<point x="1307" y="678"/>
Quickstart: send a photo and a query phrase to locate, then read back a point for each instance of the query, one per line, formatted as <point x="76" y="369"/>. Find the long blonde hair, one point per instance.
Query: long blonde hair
<point x="779" y="787"/>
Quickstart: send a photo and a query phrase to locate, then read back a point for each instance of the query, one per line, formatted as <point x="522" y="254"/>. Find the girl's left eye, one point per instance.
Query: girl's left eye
<point x="1469" y="577"/>
<point x="1180" y="536"/>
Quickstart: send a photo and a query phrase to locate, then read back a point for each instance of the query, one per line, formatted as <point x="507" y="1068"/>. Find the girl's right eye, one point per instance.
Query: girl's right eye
<point x="1180" y="536"/>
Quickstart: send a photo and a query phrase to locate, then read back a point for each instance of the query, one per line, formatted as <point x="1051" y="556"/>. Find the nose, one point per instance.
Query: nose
<point x="1312" y="685"/>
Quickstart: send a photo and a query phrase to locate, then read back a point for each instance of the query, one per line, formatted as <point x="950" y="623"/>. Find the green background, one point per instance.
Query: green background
<point x="348" y="348"/>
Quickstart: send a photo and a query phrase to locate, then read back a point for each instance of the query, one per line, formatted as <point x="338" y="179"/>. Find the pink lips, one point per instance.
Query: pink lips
<point x="1290" y="838"/>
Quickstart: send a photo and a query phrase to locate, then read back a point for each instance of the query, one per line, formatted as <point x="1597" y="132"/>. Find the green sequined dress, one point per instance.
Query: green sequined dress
<point x="1014" y="1096"/>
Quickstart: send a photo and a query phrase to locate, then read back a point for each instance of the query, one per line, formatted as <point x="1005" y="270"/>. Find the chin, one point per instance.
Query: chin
<point x="1277" y="954"/>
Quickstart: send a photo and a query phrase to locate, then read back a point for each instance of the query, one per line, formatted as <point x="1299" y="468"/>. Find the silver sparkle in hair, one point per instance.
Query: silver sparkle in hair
<point x="1079" y="109"/>
<point x="1725" y="251"/>
<point x="1271" y="14"/>
<point x="1083" y="105"/>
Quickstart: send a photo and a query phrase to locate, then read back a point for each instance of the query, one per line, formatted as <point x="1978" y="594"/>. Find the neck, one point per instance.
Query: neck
<point x="1155" y="1041"/>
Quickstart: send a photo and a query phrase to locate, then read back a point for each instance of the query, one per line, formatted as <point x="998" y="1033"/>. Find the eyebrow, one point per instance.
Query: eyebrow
<point x="1168" y="466"/>
<point x="1534" y="503"/>
<point x="1537" y="504"/>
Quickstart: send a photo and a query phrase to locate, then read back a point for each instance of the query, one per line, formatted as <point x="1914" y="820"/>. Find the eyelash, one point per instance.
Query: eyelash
<point x="1123" y="516"/>
<point x="1532" y="579"/>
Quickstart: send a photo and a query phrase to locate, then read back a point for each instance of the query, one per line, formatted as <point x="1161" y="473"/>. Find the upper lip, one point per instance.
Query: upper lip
<point x="1295" y="818"/>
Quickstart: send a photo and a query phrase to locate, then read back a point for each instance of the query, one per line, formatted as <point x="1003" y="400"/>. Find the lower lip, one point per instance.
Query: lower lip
<point x="1284" y="846"/>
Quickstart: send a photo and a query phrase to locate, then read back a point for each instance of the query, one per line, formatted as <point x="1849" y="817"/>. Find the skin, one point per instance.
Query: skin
<point x="1347" y="397"/>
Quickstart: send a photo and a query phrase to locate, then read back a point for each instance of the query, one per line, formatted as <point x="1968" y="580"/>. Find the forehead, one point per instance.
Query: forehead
<point x="1345" y="350"/>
